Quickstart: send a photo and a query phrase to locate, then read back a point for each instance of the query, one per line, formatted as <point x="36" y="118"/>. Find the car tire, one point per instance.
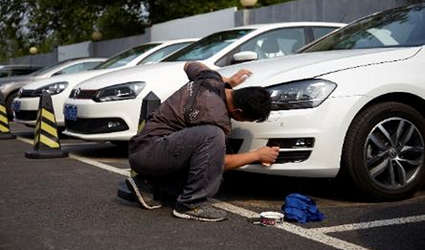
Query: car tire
<point x="8" y="103"/>
<point x="383" y="153"/>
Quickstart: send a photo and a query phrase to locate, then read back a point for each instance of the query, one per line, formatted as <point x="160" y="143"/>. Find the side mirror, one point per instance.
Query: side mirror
<point x="244" y="56"/>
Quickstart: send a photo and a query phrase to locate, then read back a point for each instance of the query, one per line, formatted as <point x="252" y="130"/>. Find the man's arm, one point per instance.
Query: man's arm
<point x="265" y="155"/>
<point x="192" y="69"/>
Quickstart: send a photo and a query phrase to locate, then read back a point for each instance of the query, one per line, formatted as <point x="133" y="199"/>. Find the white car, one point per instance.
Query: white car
<point x="10" y="86"/>
<point x="108" y="107"/>
<point x="25" y="106"/>
<point x="351" y="104"/>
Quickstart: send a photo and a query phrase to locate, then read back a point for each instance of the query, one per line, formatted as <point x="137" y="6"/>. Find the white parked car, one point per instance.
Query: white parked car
<point x="108" y="107"/>
<point x="10" y="86"/>
<point x="25" y="106"/>
<point x="351" y="105"/>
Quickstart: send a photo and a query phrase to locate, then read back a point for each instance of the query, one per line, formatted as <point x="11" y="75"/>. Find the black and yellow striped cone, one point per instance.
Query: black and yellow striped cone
<point x="4" y="121"/>
<point x="149" y="104"/>
<point x="46" y="139"/>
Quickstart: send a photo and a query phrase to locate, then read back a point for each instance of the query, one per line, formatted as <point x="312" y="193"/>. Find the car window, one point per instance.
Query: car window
<point x="125" y="57"/>
<point x="162" y="53"/>
<point x="49" y="68"/>
<point x="4" y="73"/>
<point x="270" y="44"/>
<point x="208" y="46"/>
<point x="318" y="32"/>
<point x="395" y="28"/>
<point x="19" y="72"/>
<point x="77" y="68"/>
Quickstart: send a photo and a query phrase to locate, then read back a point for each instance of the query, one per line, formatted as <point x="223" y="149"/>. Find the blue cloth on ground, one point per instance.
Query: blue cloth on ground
<point x="302" y="209"/>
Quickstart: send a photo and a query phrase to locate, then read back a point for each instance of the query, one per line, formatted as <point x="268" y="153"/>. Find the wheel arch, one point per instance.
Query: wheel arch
<point x="412" y="100"/>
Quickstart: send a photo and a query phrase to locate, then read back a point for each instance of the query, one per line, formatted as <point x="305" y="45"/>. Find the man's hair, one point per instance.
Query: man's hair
<point x="255" y="102"/>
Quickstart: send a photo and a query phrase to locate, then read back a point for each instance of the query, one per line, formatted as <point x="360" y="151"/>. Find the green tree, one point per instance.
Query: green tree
<point x="13" y="34"/>
<point x="70" y="21"/>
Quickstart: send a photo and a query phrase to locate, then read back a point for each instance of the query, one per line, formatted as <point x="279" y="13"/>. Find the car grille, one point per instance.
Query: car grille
<point x="96" y="126"/>
<point x="83" y="94"/>
<point x="26" y="115"/>
<point x="293" y="149"/>
<point x="27" y="93"/>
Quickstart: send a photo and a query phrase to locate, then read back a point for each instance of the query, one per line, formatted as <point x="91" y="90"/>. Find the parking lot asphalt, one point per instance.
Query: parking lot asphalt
<point x="72" y="203"/>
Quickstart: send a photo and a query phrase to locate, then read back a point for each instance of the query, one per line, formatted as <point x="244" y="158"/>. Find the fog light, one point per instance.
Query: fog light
<point x="113" y="124"/>
<point x="300" y="143"/>
<point x="306" y="142"/>
<point x="303" y="143"/>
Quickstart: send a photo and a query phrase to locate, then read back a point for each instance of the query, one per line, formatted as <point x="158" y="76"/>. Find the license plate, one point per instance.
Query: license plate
<point x="70" y="112"/>
<point x="16" y="106"/>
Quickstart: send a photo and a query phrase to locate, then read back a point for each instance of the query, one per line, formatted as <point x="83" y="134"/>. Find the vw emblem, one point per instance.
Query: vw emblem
<point x="77" y="92"/>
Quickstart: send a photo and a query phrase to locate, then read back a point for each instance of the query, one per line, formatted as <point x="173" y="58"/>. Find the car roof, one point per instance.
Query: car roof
<point x="287" y="24"/>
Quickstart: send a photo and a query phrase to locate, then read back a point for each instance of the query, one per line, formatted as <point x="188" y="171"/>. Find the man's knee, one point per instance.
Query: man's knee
<point x="212" y="133"/>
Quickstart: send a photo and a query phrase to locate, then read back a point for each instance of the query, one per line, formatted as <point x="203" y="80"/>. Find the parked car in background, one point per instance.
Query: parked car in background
<point x="10" y="86"/>
<point x="17" y="70"/>
<point x="351" y="104"/>
<point x="25" y="106"/>
<point x="107" y="107"/>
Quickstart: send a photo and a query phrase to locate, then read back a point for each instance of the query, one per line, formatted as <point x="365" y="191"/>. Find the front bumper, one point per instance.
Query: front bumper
<point x="104" y="121"/>
<point x="27" y="113"/>
<point x="311" y="140"/>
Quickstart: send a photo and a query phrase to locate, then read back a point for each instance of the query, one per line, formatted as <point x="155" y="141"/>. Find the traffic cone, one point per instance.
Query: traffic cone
<point x="149" y="104"/>
<point x="46" y="139"/>
<point x="4" y="121"/>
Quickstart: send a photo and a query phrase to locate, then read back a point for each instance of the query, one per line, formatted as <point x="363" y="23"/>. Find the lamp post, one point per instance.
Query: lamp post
<point x="96" y="35"/>
<point x="248" y="3"/>
<point x="33" y="50"/>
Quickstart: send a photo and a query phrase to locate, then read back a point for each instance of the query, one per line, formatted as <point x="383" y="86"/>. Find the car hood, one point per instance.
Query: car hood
<point x="72" y="79"/>
<point x="164" y="72"/>
<point x="316" y="64"/>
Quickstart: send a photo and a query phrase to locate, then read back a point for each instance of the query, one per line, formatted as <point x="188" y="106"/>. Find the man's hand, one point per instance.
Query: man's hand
<point x="238" y="78"/>
<point x="267" y="155"/>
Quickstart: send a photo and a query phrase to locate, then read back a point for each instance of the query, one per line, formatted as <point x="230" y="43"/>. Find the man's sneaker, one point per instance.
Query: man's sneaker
<point x="201" y="213"/>
<point x="143" y="193"/>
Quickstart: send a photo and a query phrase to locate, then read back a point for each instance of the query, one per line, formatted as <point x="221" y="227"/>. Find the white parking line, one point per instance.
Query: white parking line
<point x="291" y="228"/>
<point x="370" y="224"/>
<point x="125" y="172"/>
<point x="315" y="234"/>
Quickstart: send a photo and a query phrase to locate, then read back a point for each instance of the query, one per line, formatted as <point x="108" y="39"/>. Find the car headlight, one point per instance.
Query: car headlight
<point x="52" y="89"/>
<point x="300" y="94"/>
<point x="119" y="92"/>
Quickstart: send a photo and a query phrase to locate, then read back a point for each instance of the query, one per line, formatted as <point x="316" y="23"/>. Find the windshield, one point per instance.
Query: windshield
<point x="125" y="57"/>
<point x="162" y="53"/>
<point x="400" y="27"/>
<point x="48" y="69"/>
<point x="207" y="46"/>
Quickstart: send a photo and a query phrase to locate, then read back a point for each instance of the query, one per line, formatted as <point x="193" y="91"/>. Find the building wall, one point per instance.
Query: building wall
<point x="194" y="26"/>
<point x="315" y="10"/>
<point x="42" y="60"/>
<point x="74" y="50"/>
<point x="111" y="47"/>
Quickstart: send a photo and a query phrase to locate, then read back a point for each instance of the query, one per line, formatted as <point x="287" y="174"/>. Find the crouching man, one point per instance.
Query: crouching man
<point x="181" y="151"/>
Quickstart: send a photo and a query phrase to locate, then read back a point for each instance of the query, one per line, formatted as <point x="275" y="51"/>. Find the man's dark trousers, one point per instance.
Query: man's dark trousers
<point x="196" y="152"/>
